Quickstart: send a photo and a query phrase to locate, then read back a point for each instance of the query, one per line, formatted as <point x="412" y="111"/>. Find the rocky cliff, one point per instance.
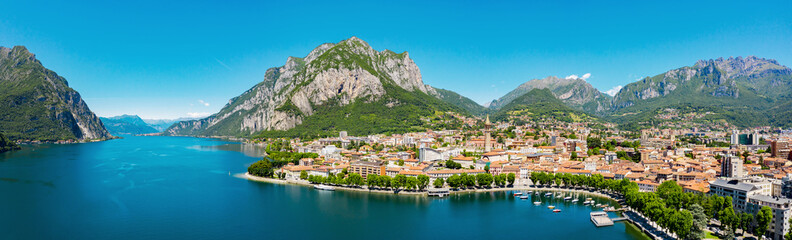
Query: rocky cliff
<point x="332" y="76"/>
<point x="37" y="104"/>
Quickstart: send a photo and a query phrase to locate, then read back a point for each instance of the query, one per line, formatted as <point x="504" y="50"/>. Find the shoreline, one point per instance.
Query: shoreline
<point x="249" y="177"/>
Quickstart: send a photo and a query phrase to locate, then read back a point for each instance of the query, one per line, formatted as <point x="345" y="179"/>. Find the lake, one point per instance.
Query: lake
<point x="181" y="187"/>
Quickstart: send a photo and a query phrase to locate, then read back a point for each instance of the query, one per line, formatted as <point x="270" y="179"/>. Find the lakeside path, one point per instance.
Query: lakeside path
<point x="414" y="193"/>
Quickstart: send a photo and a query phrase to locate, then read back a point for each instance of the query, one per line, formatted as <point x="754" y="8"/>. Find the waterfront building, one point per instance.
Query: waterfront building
<point x="365" y="168"/>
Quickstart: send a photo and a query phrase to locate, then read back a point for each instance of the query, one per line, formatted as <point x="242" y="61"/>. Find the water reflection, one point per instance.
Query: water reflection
<point x="250" y="150"/>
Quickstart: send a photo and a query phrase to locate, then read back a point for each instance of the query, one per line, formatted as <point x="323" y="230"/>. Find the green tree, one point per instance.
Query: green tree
<point x="438" y="183"/>
<point x="455" y="181"/>
<point x="303" y="175"/>
<point x="788" y="235"/>
<point x="510" y="178"/>
<point x="763" y="218"/>
<point x="423" y="182"/>
<point x="486" y="168"/>
<point x="372" y="180"/>
<point x="484" y="179"/>
<point x="399" y="181"/>
<point x="412" y="183"/>
<point x="699" y="221"/>
<point x="355" y="179"/>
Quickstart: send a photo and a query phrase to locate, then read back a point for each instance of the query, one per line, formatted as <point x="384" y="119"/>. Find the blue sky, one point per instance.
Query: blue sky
<point x="168" y="59"/>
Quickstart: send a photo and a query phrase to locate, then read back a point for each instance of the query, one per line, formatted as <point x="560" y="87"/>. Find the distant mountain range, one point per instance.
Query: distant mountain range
<point x="349" y="86"/>
<point x="575" y="92"/>
<point x="134" y="125"/>
<point x="37" y="104"/>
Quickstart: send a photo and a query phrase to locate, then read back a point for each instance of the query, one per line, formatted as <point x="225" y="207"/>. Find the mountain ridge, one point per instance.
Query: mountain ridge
<point x="38" y="104"/>
<point x="331" y="77"/>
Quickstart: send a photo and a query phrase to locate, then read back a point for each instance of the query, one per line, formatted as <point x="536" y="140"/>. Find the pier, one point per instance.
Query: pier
<point x="601" y="219"/>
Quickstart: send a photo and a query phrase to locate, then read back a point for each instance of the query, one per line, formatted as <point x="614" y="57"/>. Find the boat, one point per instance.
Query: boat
<point x="551" y="207"/>
<point x="557" y="210"/>
<point x="529" y="192"/>
<point x="537" y="203"/>
<point x="549" y="194"/>
<point x="517" y="194"/>
<point x="574" y="200"/>
<point x="589" y="200"/>
<point x="524" y="197"/>
<point x="324" y="187"/>
<point x="599" y="205"/>
<point x="568" y="198"/>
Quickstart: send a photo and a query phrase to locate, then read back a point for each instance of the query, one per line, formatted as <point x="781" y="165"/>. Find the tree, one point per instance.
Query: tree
<point x="510" y="178"/>
<point x="438" y="183"/>
<point x="355" y="179"/>
<point x="423" y="181"/>
<point x="573" y="156"/>
<point x="699" y="221"/>
<point x="763" y="218"/>
<point x="788" y="235"/>
<point x="401" y="162"/>
<point x="455" y="181"/>
<point x="412" y="183"/>
<point x="452" y="165"/>
<point x="399" y="181"/>
<point x="727" y="217"/>
<point x="486" y="168"/>
<point x="303" y="175"/>
<point x="484" y="179"/>
<point x="372" y="180"/>
<point x="667" y="189"/>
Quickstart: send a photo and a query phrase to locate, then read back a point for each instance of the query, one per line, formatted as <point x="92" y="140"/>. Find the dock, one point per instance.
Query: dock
<point x="601" y="219"/>
<point x="438" y="192"/>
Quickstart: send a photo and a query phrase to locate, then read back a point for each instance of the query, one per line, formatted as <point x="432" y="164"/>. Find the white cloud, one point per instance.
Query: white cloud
<point x="198" y="114"/>
<point x="613" y="91"/>
<point x="203" y="103"/>
<point x="586" y="76"/>
<point x="573" y="76"/>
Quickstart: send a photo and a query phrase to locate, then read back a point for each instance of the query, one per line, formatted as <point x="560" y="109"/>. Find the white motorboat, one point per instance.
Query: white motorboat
<point x="324" y="187"/>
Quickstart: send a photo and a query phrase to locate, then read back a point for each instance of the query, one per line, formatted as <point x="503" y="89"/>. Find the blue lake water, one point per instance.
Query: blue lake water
<point x="180" y="187"/>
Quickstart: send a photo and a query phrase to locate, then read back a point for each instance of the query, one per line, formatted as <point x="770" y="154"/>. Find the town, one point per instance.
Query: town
<point x="751" y="167"/>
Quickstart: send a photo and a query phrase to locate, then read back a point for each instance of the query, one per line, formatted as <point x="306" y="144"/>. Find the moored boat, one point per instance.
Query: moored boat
<point x="551" y="207"/>
<point x="324" y="187"/>
<point x="557" y="210"/>
<point x="537" y="203"/>
<point x="524" y="197"/>
<point x="568" y="198"/>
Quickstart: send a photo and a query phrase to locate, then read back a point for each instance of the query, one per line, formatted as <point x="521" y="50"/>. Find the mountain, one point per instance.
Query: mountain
<point x="127" y="124"/>
<point x="460" y="101"/>
<point x="347" y="86"/>
<point x="746" y="92"/>
<point x="574" y="92"/>
<point x="162" y="124"/>
<point x="37" y="104"/>
<point x="539" y="103"/>
<point x="7" y="145"/>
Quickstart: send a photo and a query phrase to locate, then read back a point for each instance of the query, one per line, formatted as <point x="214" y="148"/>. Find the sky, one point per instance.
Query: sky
<point x="171" y="59"/>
